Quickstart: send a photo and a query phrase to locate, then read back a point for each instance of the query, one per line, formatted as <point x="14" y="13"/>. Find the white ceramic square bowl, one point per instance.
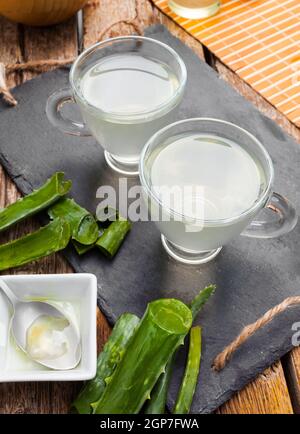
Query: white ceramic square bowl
<point x="80" y="290"/>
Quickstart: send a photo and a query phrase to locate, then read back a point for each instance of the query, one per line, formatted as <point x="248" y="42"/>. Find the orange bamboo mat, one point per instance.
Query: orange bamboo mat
<point x="260" y="41"/>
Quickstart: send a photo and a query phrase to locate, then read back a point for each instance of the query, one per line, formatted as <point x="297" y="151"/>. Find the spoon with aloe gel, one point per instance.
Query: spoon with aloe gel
<point x="44" y="332"/>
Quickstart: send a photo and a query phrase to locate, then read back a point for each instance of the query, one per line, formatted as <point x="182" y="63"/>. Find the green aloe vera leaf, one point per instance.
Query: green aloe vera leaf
<point x="199" y="301"/>
<point x="108" y="360"/>
<point x="113" y="236"/>
<point x="162" y="329"/>
<point x="187" y="389"/>
<point x="87" y="232"/>
<point x="49" y="239"/>
<point x="157" y="403"/>
<point x="53" y="189"/>
<point x="81" y="249"/>
<point x="84" y="227"/>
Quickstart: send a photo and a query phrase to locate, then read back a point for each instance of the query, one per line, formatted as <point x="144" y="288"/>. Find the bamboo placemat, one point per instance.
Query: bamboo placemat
<point x="260" y="41"/>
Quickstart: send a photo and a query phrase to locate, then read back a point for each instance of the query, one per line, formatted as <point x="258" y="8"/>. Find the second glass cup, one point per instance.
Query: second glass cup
<point x="205" y="181"/>
<point x="127" y="89"/>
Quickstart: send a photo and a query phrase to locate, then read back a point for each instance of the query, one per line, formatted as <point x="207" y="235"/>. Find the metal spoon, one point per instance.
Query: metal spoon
<point x="23" y="316"/>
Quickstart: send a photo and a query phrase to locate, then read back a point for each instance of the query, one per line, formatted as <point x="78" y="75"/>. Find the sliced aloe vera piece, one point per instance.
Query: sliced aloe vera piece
<point x="187" y="389"/>
<point x="84" y="227"/>
<point x="108" y="360"/>
<point x="110" y="239"/>
<point x="47" y="240"/>
<point x="81" y="249"/>
<point x="162" y="329"/>
<point x="157" y="403"/>
<point x="46" y="195"/>
<point x="113" y="236"/>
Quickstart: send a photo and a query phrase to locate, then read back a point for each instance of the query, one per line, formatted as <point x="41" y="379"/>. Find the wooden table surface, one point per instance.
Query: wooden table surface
<point x="277" y="390"/>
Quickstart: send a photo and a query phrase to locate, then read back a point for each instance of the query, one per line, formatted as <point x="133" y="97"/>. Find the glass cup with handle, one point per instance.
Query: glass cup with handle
<point x="126" y="88"/>
<point x="205" y="181"/>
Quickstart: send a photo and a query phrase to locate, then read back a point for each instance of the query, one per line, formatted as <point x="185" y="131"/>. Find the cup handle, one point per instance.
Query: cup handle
<point x="280" y="219"/>
<point x="54" y="105"/>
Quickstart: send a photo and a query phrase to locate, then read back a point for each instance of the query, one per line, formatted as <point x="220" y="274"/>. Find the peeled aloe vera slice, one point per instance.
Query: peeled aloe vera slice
<point x="157" y="403"/>
<point x="113" y="236"/>
<point x="49" y="239"/>
<point x="110" y="239"/>
<point x="46" y="195"/>
<point x="84" y="227"/>
<point x="81" y="249"/>
<point x="162" y="329"/>
<point x="190" y="377"/>
<point x="108" y="360"/>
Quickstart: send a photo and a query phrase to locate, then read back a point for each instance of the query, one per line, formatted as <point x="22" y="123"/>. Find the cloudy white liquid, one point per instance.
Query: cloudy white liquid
<point x="128" y="83"/>
<point x="123" y="86"/>
<point x="216" y="180"/>
<point x="214" y="172"/>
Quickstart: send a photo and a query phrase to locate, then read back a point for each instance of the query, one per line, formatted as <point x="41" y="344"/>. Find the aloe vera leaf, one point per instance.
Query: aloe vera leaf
<point x="53" y="189"/>
<point x="84" y="227"/>
<point x="87" y="232"/>
<point x="157" y="403"/>
<point x="110" y="239"/>
<point x="49" y="239"/>
<point x="81" y="249"/>
<point x="199" y="301"/>
<point x="108" y="359"/>
<point x="162" y="329"/>
<point x="187" y="389"/>
<point x="113" y="236"/>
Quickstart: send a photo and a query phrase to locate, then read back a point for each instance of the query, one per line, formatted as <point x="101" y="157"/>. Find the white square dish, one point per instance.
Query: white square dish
<point x="80" y="292"/>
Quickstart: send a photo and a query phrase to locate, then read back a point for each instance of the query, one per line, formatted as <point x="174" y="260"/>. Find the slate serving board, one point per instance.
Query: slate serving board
<point x="251" y="275"/>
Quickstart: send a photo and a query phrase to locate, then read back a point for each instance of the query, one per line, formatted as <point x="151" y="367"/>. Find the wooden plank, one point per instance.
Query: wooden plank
<point x="10" y="49"/>
<point x="110" y="18"/>
<point x="268" y="394"/>
<point x="291" y="365"/>
<point x="56" y="42"/>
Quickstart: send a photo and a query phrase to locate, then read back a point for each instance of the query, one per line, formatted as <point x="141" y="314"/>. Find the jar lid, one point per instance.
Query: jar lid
<point x="195" y="9"/>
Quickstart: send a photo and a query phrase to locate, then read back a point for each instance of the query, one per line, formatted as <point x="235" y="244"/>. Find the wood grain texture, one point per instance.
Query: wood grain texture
<point x="291" y="363"/>
<point x="102" y="19"/>
<point x="110" y="18"/>
<point x="10" y="48"/>
<point x="56" y="42"/>
<point x="268" y="394"/>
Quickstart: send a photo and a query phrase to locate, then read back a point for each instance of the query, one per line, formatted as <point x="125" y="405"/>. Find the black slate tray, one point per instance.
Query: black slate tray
<point x="251" y="275"/>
